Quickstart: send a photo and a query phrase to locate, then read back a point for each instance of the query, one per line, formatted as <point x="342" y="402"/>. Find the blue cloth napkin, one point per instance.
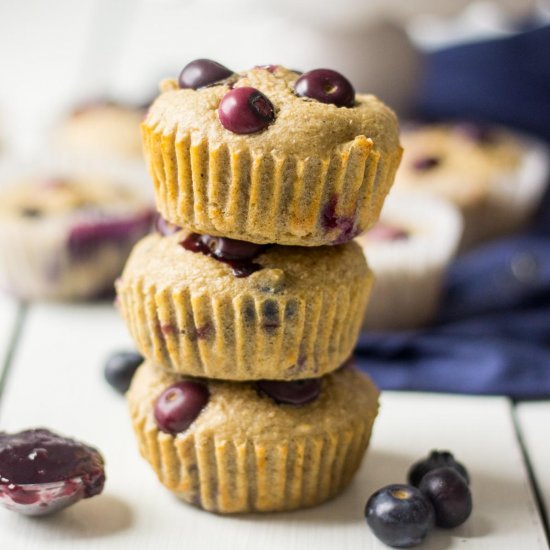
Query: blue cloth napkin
<point x="493" y="331"/>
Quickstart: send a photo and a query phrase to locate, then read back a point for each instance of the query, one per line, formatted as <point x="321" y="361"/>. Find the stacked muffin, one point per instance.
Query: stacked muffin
<point x="248" y="300"/>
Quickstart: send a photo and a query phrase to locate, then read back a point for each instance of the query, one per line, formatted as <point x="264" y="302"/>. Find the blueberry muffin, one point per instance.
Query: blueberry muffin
<point x="220" y="308"/>
<point x="409" y="251"/>
<point x="265" y="446"/>
<point x="67" y="238"/>
<point x="101" y="129"/>
<point x="493" y="176"/>
<point x="269" y="155"/>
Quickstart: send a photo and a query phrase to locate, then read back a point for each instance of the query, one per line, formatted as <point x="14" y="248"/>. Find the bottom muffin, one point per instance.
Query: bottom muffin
<point x="266" y="446"/>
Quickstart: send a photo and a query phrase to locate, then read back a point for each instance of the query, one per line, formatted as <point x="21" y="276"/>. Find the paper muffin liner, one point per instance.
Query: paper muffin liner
<point x="267" y="197"/>
<point x="409" y="272"/>
<point x="511" y="198"/>
<point x="250" y="335"/>
<point x="258" y="473"/>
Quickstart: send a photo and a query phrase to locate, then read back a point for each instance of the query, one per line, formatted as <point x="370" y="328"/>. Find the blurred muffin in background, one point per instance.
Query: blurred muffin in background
<point x="67" y="237"/>
<point x="101" y="130"/>
<point x="494" y="176"/>
<point x="408" y="251"/>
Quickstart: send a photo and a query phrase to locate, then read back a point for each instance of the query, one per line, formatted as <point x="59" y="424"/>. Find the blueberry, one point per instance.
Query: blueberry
<point x="426" y="163"/>
<point x="436" y="459"/>
<point x="297" y="392"/>
<point x="399" y="515"/>
<point x="245" y="111"/>
<point x="224" y="248"/>
<point x="120" y="368"/>
<point x="326" y="86"/>
<point x="450" y="496"/>
<point x="178" y="406"/>
<point x="201" y="73"/>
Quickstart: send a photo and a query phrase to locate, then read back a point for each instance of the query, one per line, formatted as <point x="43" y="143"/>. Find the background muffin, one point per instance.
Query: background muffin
<point x="495" y="177"/>
<point x="67" y="238"/>
<point x="409" y="251"/>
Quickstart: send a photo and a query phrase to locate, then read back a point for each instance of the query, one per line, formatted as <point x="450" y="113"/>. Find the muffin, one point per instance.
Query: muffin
<point x="264" y="156"/>
<point x="233" y="447"/>
<point x="495" y="177"/>
<point x="63" y="238"/>
<point x="275" y="312"/>
<point x="101" y="129"/>
<point x="408" y="252"/>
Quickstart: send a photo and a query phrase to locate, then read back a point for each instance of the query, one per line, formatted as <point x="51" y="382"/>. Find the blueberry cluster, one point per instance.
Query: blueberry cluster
<point x="246" y="110"/>
<point x="438" y="493"/>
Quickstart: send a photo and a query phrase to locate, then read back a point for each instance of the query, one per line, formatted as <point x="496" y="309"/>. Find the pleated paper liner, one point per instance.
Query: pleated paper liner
<point x="258" y="472"/>
<point x="244" y="329"/>
<point x="268" y="197"/>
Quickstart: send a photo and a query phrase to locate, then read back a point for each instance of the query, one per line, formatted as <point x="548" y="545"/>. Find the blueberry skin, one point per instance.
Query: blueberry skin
<point x="326" y="86"/>
<point x="120" y="368"/>
<point x="399" y="515"/>
<point x="436" y="459"/>
<point x="450" y="496"/>
<point x="202" y="72"/>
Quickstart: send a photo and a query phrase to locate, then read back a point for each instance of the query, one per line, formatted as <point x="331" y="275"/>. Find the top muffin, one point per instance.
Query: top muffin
<point x="269" y="155"/>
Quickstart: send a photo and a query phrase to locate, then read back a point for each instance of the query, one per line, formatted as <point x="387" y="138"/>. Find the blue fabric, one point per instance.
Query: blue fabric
<point x="493" y="331"/>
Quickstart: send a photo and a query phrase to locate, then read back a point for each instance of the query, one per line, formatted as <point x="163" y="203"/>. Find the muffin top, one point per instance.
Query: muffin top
<point x="102" y="128"/>
<point x="66" y="198"/>
<point x="459" y="161"/>
<point x="162" y="261"/>
<point x="298" y="125"/>
<point x="244" y="410"/>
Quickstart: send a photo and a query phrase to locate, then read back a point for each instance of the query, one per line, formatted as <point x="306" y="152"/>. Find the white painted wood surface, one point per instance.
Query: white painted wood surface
<point x="534" y="423"/>
<point x="56" y="381"/>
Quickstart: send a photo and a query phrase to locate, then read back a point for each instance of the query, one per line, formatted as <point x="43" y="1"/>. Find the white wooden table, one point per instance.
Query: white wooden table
<point x="53" y="355"/>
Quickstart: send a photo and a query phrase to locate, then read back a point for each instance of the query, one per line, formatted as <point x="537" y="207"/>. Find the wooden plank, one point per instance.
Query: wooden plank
<point x="9" y="309"/>
<point x="533" y="421"/>
<point x="57" y="382"/>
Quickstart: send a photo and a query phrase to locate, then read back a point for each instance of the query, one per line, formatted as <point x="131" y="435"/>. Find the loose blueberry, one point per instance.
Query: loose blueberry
<point x="436" y="459"/>
<point x="297" y="392"/>
<point x="164" y="227"/>
<point x="201" y="73"/>
<point x="426" y="163"/>
<point x="42" y="472"/>
<point x="178" y="406"/>
<point x="245" y="111"/>
<point x="326" y="86"/>
<point x="450" y="496"/>
<point x="399" y="515"/>
<point x="120" y="368"/>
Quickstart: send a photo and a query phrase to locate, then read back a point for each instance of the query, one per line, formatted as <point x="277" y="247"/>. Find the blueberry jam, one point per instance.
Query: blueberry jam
<point x="236" y="254"/>
<point x="296" y="392"/>
<point x="42" y="472"/>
